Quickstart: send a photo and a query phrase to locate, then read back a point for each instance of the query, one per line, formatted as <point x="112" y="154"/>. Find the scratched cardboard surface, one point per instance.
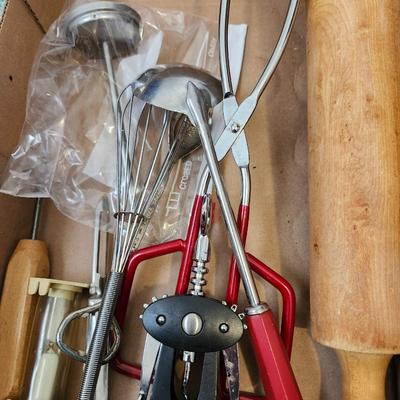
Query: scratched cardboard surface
<point x="278" y="235"/>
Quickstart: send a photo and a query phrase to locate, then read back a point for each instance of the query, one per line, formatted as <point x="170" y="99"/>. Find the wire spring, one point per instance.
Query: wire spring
<point x="198" y="280"/>
<point x="202" y="254"/>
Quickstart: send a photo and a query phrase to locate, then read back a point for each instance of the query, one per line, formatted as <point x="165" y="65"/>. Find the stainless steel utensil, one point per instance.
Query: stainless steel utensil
<point x="139" y="186"/>
<point x="104" y="30"/>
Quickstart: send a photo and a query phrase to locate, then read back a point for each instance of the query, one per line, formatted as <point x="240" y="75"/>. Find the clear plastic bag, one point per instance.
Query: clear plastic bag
<point x="66" y="147"/>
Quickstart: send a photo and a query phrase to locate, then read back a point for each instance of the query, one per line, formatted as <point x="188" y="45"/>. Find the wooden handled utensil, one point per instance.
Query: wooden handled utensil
<point x="17" y="311"/>
<point x="354" y="122"/>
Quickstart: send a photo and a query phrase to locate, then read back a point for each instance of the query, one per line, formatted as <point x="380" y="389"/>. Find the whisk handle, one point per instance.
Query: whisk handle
<point x="98" y="345"/>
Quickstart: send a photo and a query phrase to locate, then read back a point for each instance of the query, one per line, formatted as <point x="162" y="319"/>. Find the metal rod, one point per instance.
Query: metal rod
<point x="195" y="107"/>
<point x="110" y="76"/>
<point x="95" y="298"/>
<point x="96" y="245"/>
<point x="36" y="218"/>
<point x="226" y="79"/>
<point x="278" y="50"/>
<point x="246" y="185"/>
<point x="114" y="93"/>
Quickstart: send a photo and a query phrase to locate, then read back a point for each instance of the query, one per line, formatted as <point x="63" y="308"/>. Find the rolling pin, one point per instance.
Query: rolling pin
<point x="354" y="186"/>
<point x="18" y="310"/>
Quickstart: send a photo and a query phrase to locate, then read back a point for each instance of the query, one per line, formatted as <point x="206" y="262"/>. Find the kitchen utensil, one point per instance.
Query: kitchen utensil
<point x="179" y="82"/>
<point x="241" y="156"/>
<point x="257" y="313"/>
<point x="18" y="310"/>
<point x="354" y="187"/>
<point x="241" y="115"/>
<point x="273" y="358"/>
<point x="90" y="312"/>
<point x="50" y="371"/>
<point x="139" y="187"/>
<point x="96" y="291"/>
<point x="182" y="142"/>
<point x="185" y="246"/>
<point x="104" y="30"/>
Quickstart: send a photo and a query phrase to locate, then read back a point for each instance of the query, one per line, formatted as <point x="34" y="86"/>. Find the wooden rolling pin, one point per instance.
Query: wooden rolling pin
<point x="354" y="170"/>
<point x="17" y="312"/>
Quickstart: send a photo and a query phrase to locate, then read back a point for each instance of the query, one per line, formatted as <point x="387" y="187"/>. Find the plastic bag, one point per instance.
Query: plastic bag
<point x="64" y="151"/>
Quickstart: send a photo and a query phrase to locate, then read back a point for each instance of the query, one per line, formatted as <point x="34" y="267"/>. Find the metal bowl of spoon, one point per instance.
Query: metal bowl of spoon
<point x="167" y="88"/>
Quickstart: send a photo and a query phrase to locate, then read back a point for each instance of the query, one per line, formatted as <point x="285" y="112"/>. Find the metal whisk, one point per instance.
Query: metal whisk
<point x="145" y="156"/>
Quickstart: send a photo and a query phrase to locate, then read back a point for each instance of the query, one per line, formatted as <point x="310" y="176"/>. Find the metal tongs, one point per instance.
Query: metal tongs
<point x="273" y="358"/>
<point x="236" y="117"/>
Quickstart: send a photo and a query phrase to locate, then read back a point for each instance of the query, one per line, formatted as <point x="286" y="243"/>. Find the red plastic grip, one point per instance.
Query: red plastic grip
<point x="273" y="361"/>
<point x="288" y="298"/>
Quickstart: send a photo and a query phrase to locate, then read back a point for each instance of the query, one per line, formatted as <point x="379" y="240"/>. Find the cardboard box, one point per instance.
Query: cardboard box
<point x="45" y="11"/>
<point x="18" y="30"/>
<point x="278" y="142"/>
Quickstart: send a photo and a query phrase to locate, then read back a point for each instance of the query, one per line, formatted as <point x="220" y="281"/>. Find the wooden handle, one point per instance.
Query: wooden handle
<point x="363" y="375"/>
<point x="354" y="168"/>
<point x="17" y="314"/>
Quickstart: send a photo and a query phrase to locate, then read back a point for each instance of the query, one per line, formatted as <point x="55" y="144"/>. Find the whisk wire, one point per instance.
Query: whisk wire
<point x="133" y="203"/>
<point x="158" y="185"/>
<point x="153" y="162"/>
<point x="126" y="228"/>
<point x="133" y="227"/>
<point x="129" y="140"/>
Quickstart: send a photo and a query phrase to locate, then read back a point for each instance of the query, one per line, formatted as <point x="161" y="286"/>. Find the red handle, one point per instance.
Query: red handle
<point x="275" y="388"/>
<point x="272" y="350"/>
<point x="288" y="298"/>
<point x="272" y="358"/>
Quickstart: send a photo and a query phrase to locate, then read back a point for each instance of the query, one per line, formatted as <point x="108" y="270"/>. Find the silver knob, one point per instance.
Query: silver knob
<point x="192" y="324"/>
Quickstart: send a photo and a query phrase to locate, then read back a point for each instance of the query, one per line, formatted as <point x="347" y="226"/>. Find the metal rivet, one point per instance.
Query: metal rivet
<point x="161" y="320"/>
<point x="154" y="299"/>
<point x="224" y="302"/>
<point x="235" y="127"/>
<point x="224" y="328"/>
<point x="141" y="316"/>
<point x="145" y="305"/>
